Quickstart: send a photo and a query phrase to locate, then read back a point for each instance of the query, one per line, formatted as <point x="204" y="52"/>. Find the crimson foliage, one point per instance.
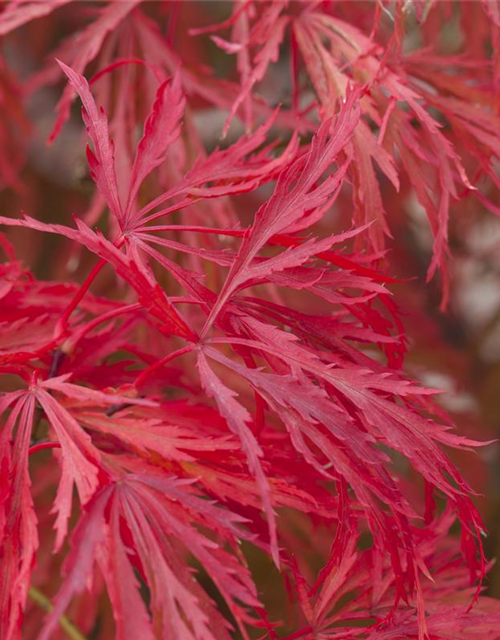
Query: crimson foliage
<point x="233" y="395"/>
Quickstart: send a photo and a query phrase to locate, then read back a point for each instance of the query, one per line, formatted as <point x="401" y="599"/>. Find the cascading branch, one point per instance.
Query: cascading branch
<point x="220" y="387"/>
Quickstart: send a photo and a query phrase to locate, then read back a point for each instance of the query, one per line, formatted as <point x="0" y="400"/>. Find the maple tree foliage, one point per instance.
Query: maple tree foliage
<point x="212" y="372"/>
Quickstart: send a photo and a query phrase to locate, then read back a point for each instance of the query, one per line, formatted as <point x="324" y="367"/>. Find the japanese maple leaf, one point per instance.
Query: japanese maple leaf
<point x="296" y="193"/>
<point x="160" y="515"/>
<point x="230" y="171"/>
<point x="79" y="461"/>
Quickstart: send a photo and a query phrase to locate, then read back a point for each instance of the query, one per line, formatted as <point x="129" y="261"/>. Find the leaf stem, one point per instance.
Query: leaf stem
<point x="44" y="603"/>
<point x="160" y="363"/>
<point x="40" y="446"/>
<point x="71" y="342"/>
<point x="62" y="323"/>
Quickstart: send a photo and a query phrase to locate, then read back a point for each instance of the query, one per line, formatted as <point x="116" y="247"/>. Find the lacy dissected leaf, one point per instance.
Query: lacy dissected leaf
<point x="330" y="82"/>
<point x="475" y="126"/>
<point x="330" y="613"/>
<point x="79" y="458"/>
<point x="160" y="515"/>
<point x="295" y="194"/>
<point x="227" y="171"/>
<point x="342" y="427"/>
<point x="78" y="461"/>
<point x="160" y="131"/>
